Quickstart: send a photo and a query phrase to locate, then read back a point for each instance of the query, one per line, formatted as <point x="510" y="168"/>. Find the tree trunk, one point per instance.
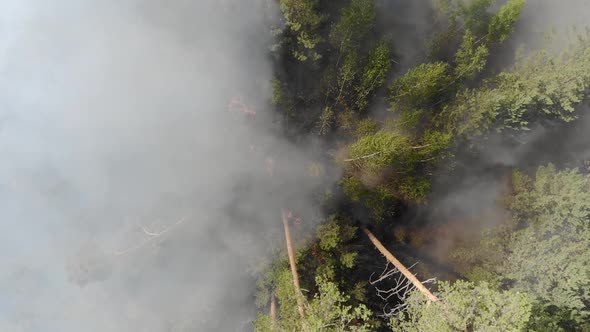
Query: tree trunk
<point x="299" y="295"/>
<point x="409" y="275"/>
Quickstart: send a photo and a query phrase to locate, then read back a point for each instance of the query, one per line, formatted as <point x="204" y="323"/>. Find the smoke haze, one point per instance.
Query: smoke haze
<point x="131" y="198"/>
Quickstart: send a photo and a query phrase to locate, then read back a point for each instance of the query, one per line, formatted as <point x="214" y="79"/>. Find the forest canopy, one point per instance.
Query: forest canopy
<point x="395" y="127"/>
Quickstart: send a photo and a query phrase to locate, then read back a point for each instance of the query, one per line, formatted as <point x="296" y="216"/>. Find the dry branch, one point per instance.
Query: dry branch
<point x="417" y="147"/>
<point x="400" y="267"/>
<point x="363" y="157"/>
<point x="151" y="236"/>
<point x="397" y="285"/>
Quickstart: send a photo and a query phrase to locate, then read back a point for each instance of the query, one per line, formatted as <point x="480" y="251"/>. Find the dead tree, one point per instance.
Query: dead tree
<point x="400" y="267"/>
<point x="391" y="283"/>
<point x="298" y="295"/>
<point x="92" y="264"/>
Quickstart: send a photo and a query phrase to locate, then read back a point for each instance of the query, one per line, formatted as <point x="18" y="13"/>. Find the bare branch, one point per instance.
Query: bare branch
<point x="363" y="157"/>
<point x="146" y="231"/>
<point x="399" y="266"/>
<point x="378" y="152"/>
<point x="420" y="146"/>
<point x="150" y="238"/>
<point x="399" y="287"/>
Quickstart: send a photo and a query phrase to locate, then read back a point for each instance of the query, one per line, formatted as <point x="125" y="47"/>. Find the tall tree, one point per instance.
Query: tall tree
<point x="540" y="88"/>
<point x="544" y="250"/>
<point x="465" y="306"/>
<point x="550" y="250"/>
<point x="303" y="23"/>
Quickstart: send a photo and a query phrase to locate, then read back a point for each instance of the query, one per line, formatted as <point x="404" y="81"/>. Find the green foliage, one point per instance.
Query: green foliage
<point x="331" y="233"/>
<point x="550" y="257"/>
<point x="440" y="42"/>
<point x="348" y="259"/>
<point x="541" y="87"/>
<point x="356" y="20"/>
<point x="442" y="8"/>
<point x="375" y="199"/>
<point x="465" y="306"/>
<point x="303" y="21"/>
<point x="280" y="99"/>
<point x="347" y="120"/>
<point x="346" y="35"/>
<point x="482" y="259"/>
<point x="326" y="120"/>
<point x="470" y="59"/>
<point x="382" y="149"/>
<point x="409" y="120"/>
<point x="502" y="23"/>
<point x="384" y="165"/>
<point x="286" y="296"/>
<point x="475" y="14"/>
<point x="434" y="146"/>
<point x="473" y="18"/>
<point x="554" y="319"/>
<point x="268" y="280"/>
<point x="328" y="311"/>
<point x="346" y="75"/>
<point x="277" y="93"/>
<point x="365" y="127"/>
<point x="418" y="87"/>
<point x="471" y="14"/>
<point x="391" y="149"/>
<point x="414" y="189"/>
<point x="544" y="249"/>
<point x="331" y="255"/>
<point x="373" y="75"/>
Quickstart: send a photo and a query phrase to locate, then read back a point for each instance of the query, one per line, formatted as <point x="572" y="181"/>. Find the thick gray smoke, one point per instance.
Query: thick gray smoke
<point x="131" y="198"/>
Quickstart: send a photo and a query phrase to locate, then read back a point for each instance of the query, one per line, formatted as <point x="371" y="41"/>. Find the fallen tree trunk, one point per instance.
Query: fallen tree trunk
<point x="299" y="295"/>
<point x="409" y="275"/>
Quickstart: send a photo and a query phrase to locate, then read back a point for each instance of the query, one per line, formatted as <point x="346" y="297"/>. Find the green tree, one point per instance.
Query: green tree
<point x="419" y="86"/>
<point x="550" y="255"/>
<point x="327" y="311"/>
<point x="331" y="253"/>
<point x="472" y="19"/>
<point x="471" y="58"/>
<point x="464" y="306"/>
<point x="346" y="68"/>
<point x="475" y="15"/>
<point x="502" y="23"/>
<point x="347" y="73"/>
<point x="540" y="88"/>
<point x="543" y="249"/>
<point x="356" y="20"/>
<point x="303" y="21"/>
<point x="280" y="97"/>
<point x="391" y="164"/>
<point x="373" y="75"/>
